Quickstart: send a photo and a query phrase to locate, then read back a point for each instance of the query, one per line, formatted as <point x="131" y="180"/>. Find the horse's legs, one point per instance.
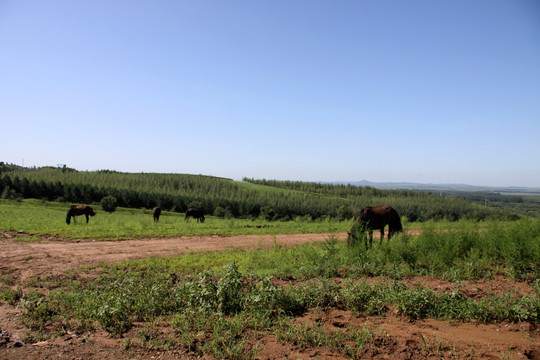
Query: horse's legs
<point x="382" y="236"/>
<point x="87" y="218"/>
<point x="370" y="238"/>
<point x="366" y="240"/>
<point x="365" y="236"/>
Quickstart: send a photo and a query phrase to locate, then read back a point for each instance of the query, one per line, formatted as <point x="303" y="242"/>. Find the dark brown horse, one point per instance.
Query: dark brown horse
<point x="375" y="218"/>
<point x="194" y="213"/>
<point x="156" y="211"/>
<point x="76" y="210"/>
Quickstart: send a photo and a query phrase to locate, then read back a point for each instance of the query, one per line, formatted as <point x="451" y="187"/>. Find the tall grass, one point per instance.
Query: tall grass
<point x="470" y="253"/>
<point x="116" y="304"/>
<point x="220" y="316"/>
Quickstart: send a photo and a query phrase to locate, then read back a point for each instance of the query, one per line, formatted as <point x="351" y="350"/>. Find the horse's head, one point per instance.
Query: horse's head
<point x="356" y="234"/>
<point x="91" y="211"/>
<point x="350" y="238"/>
<point x="363" y="215"/>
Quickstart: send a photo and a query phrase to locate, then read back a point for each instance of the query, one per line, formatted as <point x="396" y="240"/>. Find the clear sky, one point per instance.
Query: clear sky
<point x="311" y="90"/>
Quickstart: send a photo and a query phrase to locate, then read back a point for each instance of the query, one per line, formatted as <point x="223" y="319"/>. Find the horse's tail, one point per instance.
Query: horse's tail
<point x="395" y="222"/>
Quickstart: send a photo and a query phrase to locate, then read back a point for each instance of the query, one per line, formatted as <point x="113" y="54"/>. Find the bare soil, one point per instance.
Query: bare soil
<point x="397" y="337"/>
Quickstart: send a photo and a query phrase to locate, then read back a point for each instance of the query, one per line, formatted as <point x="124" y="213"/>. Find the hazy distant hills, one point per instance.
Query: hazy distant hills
<point x="440" y="187"/>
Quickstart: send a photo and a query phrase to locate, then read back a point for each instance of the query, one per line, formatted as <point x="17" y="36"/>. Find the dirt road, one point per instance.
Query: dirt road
<point x="51" y="255"/>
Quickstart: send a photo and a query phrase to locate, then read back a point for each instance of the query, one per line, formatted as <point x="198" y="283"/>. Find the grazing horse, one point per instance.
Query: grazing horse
<point x="156" y="211"/>
<point x="195" y="213"/>
<point x="76" y="210"/>
<point x="375" y="218"/>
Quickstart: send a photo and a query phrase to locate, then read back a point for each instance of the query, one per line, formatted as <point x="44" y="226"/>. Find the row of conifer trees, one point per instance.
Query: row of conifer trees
<point x="226" y="198"/>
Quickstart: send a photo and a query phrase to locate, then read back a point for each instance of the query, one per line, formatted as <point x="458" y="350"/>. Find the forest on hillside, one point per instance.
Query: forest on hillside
<point x="273" y="200"/>
<point x="525" y="204"/>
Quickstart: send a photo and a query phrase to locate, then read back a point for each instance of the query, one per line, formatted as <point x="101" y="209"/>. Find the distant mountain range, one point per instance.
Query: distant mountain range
<point x="440" y="187"/>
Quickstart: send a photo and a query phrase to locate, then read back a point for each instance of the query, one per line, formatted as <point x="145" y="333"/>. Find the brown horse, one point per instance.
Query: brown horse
<point x="375" y="218"/>
<point x="195" y="213"/>
<point x="76" y="210"/>
<point x="156" y="211"/>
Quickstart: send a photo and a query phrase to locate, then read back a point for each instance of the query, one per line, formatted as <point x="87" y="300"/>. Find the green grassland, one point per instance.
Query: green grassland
<point x="38" y="217"/>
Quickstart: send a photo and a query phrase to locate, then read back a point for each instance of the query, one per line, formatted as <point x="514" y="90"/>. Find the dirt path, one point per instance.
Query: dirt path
<point x="51" y="256"/>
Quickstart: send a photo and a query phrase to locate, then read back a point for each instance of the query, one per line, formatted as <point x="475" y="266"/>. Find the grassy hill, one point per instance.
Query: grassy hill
<point x="222" y="197"/>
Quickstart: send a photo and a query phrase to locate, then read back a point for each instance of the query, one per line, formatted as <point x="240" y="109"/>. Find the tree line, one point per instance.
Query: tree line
<point x="272" y="200"/>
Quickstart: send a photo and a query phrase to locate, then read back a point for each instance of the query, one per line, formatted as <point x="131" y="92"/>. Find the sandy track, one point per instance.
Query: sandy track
<point x="51" y="256"/>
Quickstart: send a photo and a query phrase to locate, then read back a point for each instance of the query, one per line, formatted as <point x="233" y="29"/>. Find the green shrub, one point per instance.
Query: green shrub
<point x="267" y="213"/>
<point x="108" y="203"/>
<point x="230" y="291"/>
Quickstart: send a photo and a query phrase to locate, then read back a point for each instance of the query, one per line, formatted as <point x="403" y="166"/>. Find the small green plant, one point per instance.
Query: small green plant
<point x="8" y="280"/>
<point x="38" y="308"/>
<point x="11" y="296"/>
<point x="364" y="297"/>
<point x="230" y="291"/>
<point x="349" y="342"/>
<point x="416" y="303"/>
<point x="114" y="318"/>
<point x="108" y="203"/>
<point x="228" y="339"/>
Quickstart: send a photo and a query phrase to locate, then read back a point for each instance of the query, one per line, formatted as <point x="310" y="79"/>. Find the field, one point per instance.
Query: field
<point x="123" y="287"/>
<point x="38" y="217"/>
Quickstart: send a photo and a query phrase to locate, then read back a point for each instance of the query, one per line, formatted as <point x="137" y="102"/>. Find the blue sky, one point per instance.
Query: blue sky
<point x="388" y="91"/>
